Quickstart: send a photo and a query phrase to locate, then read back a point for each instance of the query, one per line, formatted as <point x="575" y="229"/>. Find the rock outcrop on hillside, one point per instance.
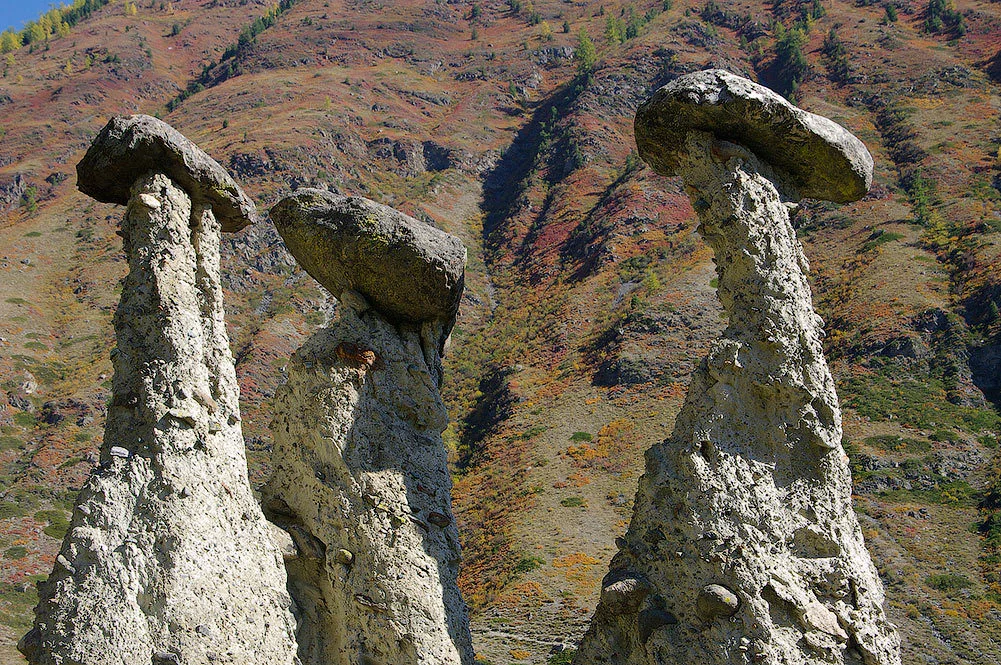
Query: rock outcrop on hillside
<point x="168" y="559"/>
<point x="743" y="546"/>
<point x="360" y="478"/>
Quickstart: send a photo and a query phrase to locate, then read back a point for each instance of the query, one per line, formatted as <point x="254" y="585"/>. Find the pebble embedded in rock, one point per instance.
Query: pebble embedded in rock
<point x="622" y="591"/>
<point x="715" y="601"/>
<point x="440" y="520"/>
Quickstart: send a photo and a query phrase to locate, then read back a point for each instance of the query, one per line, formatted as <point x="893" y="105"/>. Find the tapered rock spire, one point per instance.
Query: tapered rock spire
<point x="743" y="546"/>
<point x="168" y="559"/>
<point x="360" y="479"/>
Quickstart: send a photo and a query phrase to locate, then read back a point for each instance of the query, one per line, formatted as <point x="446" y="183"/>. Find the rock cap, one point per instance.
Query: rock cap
<point x="406" y="269"/>
<point x="821" y="158"/>
<point x="130" y="146"/>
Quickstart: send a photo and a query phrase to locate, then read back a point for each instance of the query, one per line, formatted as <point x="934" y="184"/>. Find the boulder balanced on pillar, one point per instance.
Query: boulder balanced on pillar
<point x="168" y="559"/>
<point x="743" y="546"/>
<point x="360" y="479"/>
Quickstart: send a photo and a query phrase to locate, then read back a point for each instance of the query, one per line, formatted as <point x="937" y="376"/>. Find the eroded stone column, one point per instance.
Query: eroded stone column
<point x="360" y="480"/>
<point x="168" y="559"/>
<point x="743" y="545"/>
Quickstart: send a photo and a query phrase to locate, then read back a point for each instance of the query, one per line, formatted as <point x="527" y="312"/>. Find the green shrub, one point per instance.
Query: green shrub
<point x="910" y="401"/>
<point x="572" y="502"/>
<point x="24" y="419"/>
<point x="948" y="581"/>
<point x="528" y="564"/>
<point x="58" y="523"/>
<point x="581" y="436"/>
<point x="954" y="493"/>
<point x="564" y="657"/>
<point x="9" y="510"/>
<point x="880" y="237"/>
<point x="16" y="552"/>
<point x="944" y="436"/>
<point x="15" y="605"/>
<point x="9" y="443"/>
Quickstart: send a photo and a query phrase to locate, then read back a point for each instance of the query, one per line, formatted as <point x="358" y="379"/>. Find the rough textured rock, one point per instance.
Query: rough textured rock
<point x="130" y="146"/>
<point x="408" y="270"/>
<point x="361" y="484"/>
<point x="743" y="534"/>
<point x="814" y="154"/>
<point x="168" y="557"/>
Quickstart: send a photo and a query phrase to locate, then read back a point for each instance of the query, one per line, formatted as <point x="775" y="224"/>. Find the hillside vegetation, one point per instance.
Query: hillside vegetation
<point x="589" y="295"/>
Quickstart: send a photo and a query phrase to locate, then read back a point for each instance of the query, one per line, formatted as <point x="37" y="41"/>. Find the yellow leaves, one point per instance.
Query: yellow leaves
<point x="927" y="102"/>
<point x="575" y="560"/>
<point x="9" y="41"/>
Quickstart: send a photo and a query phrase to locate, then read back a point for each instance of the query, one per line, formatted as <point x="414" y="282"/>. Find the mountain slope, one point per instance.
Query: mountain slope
<point x="589" y="294"/>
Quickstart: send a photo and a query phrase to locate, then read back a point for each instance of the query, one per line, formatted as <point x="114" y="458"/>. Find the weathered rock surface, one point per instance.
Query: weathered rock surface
<point x="361" y="484"/>
<point x="130" y="146"/>
<point x="812" y="153"/>
<point x="408" y="270"/>
<point x="168" y="558"/>
<point x="743" y="536"/>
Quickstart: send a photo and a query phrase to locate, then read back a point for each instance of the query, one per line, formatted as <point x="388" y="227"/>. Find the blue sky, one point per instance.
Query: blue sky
<point x="15" y="13"/>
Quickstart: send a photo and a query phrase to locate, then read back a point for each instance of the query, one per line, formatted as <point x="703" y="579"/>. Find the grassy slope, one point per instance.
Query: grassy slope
<point x="588" y="299"/>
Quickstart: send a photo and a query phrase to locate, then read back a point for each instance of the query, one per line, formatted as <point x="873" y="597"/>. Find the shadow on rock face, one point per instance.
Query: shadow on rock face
<point x="361" y="484"/>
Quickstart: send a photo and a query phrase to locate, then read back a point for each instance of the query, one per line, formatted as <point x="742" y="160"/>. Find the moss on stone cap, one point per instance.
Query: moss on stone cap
<point x="406" y="269"/>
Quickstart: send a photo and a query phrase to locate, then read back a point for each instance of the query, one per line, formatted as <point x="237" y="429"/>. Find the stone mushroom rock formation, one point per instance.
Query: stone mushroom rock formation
<point x="407" y="269"/>
<point x="130" y="146"/>
<point x="168" y="559"/>
<point x="743" y="545"/>
<point x="360" y="478"/>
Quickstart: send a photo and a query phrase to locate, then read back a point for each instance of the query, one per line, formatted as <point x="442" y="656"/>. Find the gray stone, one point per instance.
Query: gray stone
<point x="818" y="157"/>
<point x="130" y="146"/>
<point x="715" y="601"/>
<point x="360" y="471"/>
<point x="622" y="591"/>
<point x="406" y="269"/>
<point x="755" y="459"/>
<point x="168" y="553"/>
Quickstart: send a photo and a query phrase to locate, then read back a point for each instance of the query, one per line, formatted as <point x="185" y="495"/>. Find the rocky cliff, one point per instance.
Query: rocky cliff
<point x="361" y="480"/>
<point x="743" y="545"/>
<point x="168" y="558"/>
